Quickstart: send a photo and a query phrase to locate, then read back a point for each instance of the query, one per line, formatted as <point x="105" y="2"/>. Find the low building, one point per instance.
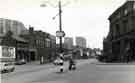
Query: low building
<point x="53" y="47"/>
<point x="41" y="45"/>
<point x="20" y="44"/>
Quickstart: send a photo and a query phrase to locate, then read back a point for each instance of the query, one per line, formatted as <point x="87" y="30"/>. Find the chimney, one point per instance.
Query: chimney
<point x="31" y="29"/>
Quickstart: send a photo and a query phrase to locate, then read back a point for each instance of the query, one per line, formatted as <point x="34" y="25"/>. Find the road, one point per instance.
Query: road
<point x="86" y="72"/>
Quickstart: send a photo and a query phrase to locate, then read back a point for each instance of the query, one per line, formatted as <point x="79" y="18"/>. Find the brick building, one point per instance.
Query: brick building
<point x="53" y="47"/>
<point x="119" y="45"/>
<point x="41" y="45"/>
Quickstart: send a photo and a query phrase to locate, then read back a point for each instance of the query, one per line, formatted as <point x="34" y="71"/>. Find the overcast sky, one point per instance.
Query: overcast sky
<point x="87" y="18"/>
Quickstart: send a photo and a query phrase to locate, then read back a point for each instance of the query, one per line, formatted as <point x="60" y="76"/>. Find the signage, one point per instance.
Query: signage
<point x="60" y="33"/>
<point x="7" y="52"/>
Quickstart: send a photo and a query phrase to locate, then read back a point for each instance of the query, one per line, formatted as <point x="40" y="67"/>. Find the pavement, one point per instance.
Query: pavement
<point x="102" y="63"/>
<point x="35" y="65"/>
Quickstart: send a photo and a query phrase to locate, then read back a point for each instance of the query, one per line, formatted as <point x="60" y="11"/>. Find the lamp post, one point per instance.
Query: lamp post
<point x="60" y="27"/>
<point x="60" y="33"/>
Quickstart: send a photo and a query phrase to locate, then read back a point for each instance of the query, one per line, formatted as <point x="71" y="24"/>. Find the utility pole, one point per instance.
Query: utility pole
<point x="60" y="32"/>
<point x="60" y="25"/>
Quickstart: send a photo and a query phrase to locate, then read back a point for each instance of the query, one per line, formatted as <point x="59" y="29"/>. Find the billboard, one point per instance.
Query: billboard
<point x="7" y="52"/>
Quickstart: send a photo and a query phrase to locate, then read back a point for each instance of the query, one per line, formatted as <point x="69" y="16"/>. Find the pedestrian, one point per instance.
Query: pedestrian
<point x="71" y="63"/>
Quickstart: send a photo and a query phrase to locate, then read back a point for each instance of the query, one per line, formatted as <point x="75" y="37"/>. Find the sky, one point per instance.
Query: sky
<point x="86" y="18"/>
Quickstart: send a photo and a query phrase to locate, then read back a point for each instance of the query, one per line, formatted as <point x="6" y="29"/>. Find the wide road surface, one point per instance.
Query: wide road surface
<point x="86" y="73"/>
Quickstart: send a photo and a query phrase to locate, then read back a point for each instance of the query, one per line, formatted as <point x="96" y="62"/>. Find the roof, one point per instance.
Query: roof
<point x="125" y="4"/>
<point x="19" y="38"/>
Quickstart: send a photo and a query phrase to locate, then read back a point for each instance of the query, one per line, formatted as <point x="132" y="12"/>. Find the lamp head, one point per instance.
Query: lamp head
<point x="43" y="5"/>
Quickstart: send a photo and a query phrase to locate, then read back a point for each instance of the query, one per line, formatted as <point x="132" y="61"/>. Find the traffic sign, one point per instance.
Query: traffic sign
<point x="60" y="33"/>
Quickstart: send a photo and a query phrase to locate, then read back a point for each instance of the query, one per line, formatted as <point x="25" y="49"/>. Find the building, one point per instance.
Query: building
<point x="9" y="36"/>
<point x="80" y="47"/>
<point x="20" y="44"/>
<point x="53" y="47"/>
<point x="14" y="26"/>
<point x="81" y="42"/>
<point x="30" y="45"/>
<point x="41" y="45"/>
<point x="119" y="45"/>
<point x="68" y="43"/>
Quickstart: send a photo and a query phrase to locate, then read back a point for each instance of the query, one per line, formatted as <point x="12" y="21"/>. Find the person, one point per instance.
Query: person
<point x="71" y="63"/>
<point x="61" y="56"/>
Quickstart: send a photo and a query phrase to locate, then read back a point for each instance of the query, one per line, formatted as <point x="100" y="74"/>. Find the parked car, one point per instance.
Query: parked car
<point x="20" y="62"/>
<point x="7" y="67"/>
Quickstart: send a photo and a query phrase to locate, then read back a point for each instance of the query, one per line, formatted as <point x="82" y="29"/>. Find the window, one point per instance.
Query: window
<point x="118" y="16"/>
<point x="48" y="43"/>
<point x="42" y="44"/>
<point x="38" y="43"/>
<point x="1" y="27"/>
<point x="125" y="26"/>
<point x="125" y="12"/>
<point x="117" y="29"/>
<point x="8" y="27"/>
<point x="134" y="6"/>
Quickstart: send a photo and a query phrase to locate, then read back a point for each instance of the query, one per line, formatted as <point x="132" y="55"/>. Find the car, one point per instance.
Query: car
<point x="20" y="62"/>
<point x="7" y="67"/>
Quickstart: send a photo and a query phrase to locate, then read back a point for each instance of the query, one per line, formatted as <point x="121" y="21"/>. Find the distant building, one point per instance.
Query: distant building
<point x="68" y="43"/>
<point x="14" y="26"/>
<point x="79" y="50"/>
<point x="119" y="45"/>
<point x="81" y="42"/>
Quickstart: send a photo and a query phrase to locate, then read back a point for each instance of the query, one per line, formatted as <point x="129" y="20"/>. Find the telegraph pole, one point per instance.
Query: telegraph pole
<point x="60" y="25"/>
<point x="60" y="33"/>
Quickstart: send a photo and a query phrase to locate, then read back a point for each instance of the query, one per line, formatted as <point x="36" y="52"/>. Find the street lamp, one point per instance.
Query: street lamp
<point x="60" y="33"/>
